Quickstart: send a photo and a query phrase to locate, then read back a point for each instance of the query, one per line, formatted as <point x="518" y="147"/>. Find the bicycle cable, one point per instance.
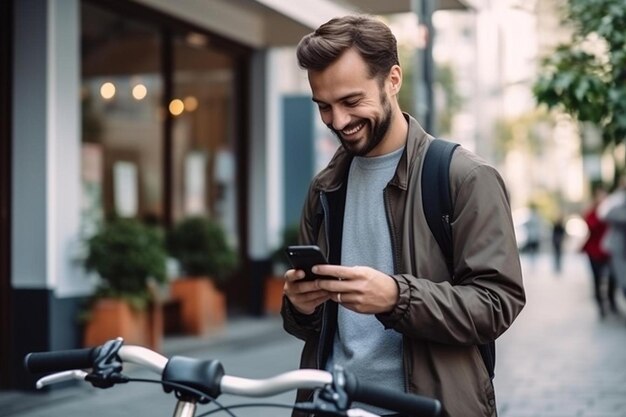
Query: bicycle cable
<point x="185" y="387"/>
<point x="269" y="405"/>
<point x="220" y="407"/>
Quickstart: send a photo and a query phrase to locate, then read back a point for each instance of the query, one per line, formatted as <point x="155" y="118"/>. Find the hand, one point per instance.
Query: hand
<point x="359" y="288"/>
<point x="305" y="296"/>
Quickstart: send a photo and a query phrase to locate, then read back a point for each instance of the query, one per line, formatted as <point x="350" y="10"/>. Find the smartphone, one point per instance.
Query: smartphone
<point x="305" y="257"/>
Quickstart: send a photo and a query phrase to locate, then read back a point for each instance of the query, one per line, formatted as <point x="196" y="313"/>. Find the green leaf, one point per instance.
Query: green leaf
<point x="127" y="255"/>
<point x="589" y="86"/>
<point x="581" y="89"/>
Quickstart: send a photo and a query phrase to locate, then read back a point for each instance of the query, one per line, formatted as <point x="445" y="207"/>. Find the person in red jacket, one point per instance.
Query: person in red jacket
<point x="598" y="257"/>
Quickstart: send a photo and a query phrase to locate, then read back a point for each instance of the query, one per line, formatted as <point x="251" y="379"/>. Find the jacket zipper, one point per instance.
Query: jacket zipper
<point x="396" y="263"/>
<point x="322" y="339"/>
<point x="447" y="229"/>
<point x="392" y="232"/>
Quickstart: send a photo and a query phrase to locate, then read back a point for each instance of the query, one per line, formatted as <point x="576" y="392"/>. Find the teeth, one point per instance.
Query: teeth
<point x="352" y="131"/>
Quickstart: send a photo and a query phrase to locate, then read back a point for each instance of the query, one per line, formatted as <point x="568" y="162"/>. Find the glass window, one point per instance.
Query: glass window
<point x="122" y="128"/>
<point x="125" y="136"/>
<point x="204" y="180"/>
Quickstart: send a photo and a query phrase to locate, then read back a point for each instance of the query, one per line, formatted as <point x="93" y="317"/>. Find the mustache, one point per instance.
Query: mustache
<point x="348" y="127"/>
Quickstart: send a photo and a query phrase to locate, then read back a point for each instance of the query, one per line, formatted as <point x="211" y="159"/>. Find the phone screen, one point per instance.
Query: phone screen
<point x="305" y="257"/>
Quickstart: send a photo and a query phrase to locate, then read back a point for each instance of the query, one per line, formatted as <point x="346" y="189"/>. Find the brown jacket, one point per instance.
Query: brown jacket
<point x="442" y="319"/>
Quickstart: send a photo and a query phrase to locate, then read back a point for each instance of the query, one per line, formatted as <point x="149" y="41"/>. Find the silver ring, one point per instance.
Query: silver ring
<point x="339" y="297"/>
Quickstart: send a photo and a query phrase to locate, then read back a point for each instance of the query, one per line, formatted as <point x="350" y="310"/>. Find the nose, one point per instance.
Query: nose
<point x="341" y="118"/>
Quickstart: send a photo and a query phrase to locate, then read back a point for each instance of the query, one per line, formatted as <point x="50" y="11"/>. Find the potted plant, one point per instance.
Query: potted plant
<point x="130" y="258"/>
<point x="275" y="282"/>
<point x="206" y="259"/>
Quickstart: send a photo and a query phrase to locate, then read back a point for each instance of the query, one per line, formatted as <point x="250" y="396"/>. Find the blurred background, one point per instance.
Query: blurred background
<point x="155" y="113"/>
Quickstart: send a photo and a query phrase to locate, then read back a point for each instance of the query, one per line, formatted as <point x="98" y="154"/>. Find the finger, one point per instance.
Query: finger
<point x="344" y="298"/>
<point x="308" y="296"/>
<point x="301" y="287"/>
<point x="307" y="302"/>
<point x="294" y="275"/>
<point x="334" y="285"/>
<point x="335" y="271"/>
<point x="322" y="297"/>
<point x="309" y="308"/>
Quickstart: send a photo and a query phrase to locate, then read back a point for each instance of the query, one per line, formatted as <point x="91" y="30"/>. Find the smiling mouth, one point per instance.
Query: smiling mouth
<point x="352" y="130"/>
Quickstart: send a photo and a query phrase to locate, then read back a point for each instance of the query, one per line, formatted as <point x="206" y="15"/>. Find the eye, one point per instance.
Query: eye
<point x="351" y="103"/>
<point x="323" y="107"/>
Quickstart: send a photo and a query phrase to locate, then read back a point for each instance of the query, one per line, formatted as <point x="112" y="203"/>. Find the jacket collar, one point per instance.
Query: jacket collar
<point x="333" y="176"/>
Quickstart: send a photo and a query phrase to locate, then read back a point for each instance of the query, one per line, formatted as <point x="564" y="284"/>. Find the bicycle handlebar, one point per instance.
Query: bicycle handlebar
<point x="66" y="360"/>
<point x="401" y="402"/>
<point x="62" y="360"/>
<point x="208" y="377"/>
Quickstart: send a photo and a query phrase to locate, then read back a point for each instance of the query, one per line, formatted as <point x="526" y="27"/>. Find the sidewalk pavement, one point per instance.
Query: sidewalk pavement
<point x="239" y="331"/>
<point x="560" y="358"/>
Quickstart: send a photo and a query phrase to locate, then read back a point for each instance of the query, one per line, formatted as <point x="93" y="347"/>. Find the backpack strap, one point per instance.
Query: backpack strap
<point x="437" y="204"/>
<point x="436" y="198"/>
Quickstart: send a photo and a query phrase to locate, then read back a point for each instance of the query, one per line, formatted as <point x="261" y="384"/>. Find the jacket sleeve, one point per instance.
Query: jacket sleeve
<point x="486" y="293"/>
<point x="300" y="325"/>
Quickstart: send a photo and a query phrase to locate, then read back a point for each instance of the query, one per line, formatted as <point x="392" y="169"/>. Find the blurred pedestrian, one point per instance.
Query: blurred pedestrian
<point x="603" y="278"/>
<point x="613" y="211"/>
<point x="558" y="236"/>
<point x="533" y="229"/>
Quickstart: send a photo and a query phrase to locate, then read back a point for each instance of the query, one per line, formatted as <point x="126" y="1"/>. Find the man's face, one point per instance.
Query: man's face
<point x="353" y="105"/>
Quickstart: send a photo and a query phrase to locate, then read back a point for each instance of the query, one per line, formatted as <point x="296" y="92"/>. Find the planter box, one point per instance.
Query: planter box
<point x="111" y="318"/>
<point x="273" y="294"/>
<point x="202" y="305"/>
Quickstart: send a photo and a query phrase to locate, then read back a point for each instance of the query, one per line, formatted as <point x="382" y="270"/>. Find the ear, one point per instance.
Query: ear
<point x="395" y="79"/>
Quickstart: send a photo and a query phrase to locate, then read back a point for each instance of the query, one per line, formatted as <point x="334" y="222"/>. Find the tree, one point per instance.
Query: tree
<point x="445" y="84"/>
<point x="587" y="76"/>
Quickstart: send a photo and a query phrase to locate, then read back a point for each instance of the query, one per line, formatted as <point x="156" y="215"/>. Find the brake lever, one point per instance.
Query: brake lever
<point x="332" y="399"/>
<point x="107" y="366"/>
<point x="324" y="410"/>
<point x="55" y="378"/>
<point x="359" y="412"/>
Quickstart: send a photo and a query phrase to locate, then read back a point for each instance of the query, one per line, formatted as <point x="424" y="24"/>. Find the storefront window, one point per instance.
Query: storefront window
<point x="204" y="180"/>
<point x="156" y="158"/>
<point x="122" y="128"/>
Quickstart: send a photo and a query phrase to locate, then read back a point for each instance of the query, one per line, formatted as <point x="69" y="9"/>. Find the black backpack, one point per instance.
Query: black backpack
<point x="438" y="212"/>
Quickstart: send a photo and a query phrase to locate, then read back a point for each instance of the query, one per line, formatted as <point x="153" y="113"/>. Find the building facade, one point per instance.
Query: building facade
<point x="149" y="109"/>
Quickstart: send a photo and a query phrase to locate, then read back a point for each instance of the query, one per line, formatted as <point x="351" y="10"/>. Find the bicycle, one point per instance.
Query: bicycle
<point x="195" y="382"/>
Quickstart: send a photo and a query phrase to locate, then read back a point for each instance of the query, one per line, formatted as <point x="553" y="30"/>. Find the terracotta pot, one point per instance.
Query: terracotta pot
<point x="111" y="318"/>
<point x="273" y="294"/>
<point x="202" y="305"/>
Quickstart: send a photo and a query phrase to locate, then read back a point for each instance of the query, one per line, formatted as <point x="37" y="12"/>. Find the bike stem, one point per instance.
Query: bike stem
<point x="185" y="409"/>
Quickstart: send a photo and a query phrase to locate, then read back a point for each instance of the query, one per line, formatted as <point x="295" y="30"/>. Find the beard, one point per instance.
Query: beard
<point x="378" y="129"/>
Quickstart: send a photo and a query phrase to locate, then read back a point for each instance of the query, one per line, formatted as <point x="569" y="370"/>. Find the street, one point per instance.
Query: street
<point x="559" y="359"/>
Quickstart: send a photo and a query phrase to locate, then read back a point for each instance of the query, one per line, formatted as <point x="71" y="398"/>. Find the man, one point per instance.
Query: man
<point x="599" y="257"/>
<point x="395" y="316"/>
<point x="613" y="211"/>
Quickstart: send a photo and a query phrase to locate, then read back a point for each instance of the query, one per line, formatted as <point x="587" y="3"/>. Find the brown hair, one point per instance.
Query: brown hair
<point x="371" y="38"/>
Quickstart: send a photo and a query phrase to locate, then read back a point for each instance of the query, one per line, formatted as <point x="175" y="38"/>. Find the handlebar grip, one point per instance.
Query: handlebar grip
<point x="401" y="402"/>
<point x="62" y="360"/>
